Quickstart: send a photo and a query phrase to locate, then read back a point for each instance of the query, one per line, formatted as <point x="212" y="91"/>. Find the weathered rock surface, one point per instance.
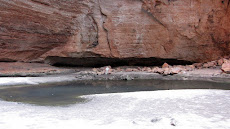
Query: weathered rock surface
<point x="191" y="30"/>
<point x="226" y="66"/>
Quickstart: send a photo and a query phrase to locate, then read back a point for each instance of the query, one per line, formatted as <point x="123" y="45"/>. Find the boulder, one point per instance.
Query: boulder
<point x="118" y="69"/>
<point x="226" y="66"/>
<point x="176" y="70"/>
<point x="128" y="70"/>
<point x="220" y="62"/>
<point x="189" y="67"/>
<point x="167" y="71"/>
<point x="95" y="70"/>
<point x="158" y="70"/>
<point x="210" y="64"/>
<point x="165" y="65"/>
<point x="198" y="65"/>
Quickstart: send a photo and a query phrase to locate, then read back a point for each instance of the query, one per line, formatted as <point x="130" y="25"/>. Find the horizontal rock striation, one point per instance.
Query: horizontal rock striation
<point x="192" y="30"/>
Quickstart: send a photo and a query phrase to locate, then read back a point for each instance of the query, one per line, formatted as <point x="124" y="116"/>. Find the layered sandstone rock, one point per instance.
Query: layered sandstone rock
<point x="191" y="30"/>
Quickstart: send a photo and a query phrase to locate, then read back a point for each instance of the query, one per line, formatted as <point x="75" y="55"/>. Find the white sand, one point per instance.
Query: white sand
<point x="174" y="109"/>
<point x="7" y="81"/>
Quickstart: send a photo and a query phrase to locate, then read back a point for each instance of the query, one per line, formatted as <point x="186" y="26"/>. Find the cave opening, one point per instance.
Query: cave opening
<point x="114" y="62"/>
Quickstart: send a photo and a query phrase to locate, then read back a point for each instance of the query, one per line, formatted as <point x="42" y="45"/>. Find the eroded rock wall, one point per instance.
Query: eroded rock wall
<point x="33" y="29"/>
<point x="191" y="30"/>
<point x="198" y="29"/>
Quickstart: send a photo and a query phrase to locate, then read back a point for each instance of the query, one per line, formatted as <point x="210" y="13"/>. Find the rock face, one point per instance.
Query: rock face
<point x="191" y="30"/>
<point x="226" y="66"/>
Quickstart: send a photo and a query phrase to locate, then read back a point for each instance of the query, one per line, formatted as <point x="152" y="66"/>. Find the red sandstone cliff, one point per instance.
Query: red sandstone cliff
<point x="192" y="30"/>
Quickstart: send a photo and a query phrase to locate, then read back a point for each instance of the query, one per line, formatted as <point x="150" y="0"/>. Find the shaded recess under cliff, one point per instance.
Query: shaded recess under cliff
<point x="103" y="61"/>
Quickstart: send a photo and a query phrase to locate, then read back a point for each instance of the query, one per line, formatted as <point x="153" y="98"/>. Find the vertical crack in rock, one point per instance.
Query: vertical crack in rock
<point x="148" y="6"/>
<point x="95" y="43"/>
<point x="228" y="5"/>
<point x="104" y="16"/>
<point x="154" y="18"/>
<point x="88" y="29"/>
<point x="164" y="48"/>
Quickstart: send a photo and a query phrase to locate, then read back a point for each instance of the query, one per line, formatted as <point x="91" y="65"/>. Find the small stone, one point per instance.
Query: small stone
<point x="209" y="64"/>
<point x="135" y="70"/>
<point x="149" y="70"/>
<point x="158" y="70"/>
<point x="94" y="70"/>
<point x="129" y="70"/>
<point x="155" y="69"/>
<point x="154" y="120"/>
<point x="118" y="69"/>
<point x="139" y="68"/>
<point x="127" y="78"/>
<point x="165" y="65"/>
<point x="220" y="61"/>
<point x="100" y="73"/>
<point x="176" y="70"/>
<point x="173" y="122"/>
<point x="134" y="122"/>
<point x="198" y="65"/>
<point x="167" y="71"/>
<point x="189" y="67"/>
<point x="145" y="69"/>
<point x="226" y="66"/>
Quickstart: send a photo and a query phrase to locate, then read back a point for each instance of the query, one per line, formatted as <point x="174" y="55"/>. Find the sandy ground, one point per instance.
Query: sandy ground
<point x="173" y="109"/>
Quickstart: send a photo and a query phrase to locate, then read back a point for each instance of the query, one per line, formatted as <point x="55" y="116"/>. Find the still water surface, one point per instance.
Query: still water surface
<point x="70" y="93"/>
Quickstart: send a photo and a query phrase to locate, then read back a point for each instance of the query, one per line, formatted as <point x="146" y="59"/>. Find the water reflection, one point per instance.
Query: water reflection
<point x="69" y="93"/>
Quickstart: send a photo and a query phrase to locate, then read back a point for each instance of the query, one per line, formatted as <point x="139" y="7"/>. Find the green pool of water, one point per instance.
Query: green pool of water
<point x="70" y="93"/>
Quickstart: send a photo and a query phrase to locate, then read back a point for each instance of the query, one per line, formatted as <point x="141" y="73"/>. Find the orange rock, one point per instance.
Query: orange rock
<point x="165" y="65"/>
<point x="226" y="66"/>
<point x="220" y="61"/>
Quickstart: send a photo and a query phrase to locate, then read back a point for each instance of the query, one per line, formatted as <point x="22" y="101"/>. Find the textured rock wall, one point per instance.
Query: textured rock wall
<point x="192" y="30"/>
<point x="198" y="29"/>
